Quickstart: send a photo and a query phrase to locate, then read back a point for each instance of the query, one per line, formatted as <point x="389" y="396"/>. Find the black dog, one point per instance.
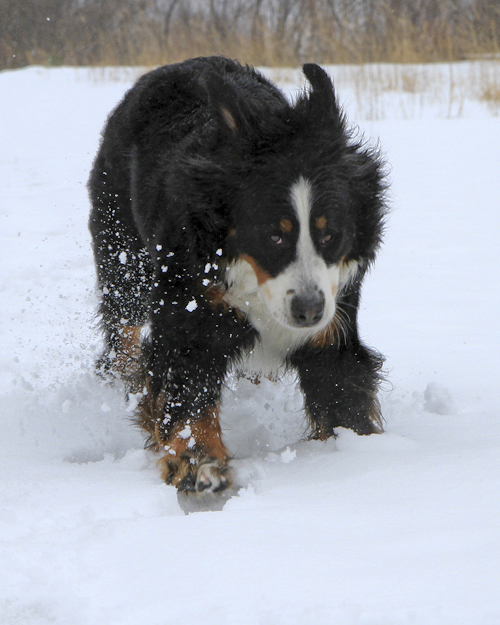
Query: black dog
<point x="231" y="231"/>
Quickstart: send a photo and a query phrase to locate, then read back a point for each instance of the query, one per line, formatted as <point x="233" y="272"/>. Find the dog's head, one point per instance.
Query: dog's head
<point x="307" y="208"/>
<point x="292" y="251"/>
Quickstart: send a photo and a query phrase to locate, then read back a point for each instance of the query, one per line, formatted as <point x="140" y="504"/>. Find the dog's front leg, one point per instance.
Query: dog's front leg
<point x="195" y="458"/>
<point x="340" y="386"/>
<point x="184" y="365"/>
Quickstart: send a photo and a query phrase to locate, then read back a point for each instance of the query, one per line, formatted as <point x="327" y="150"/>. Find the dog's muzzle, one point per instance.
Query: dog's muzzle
<point x="307" y="309"/>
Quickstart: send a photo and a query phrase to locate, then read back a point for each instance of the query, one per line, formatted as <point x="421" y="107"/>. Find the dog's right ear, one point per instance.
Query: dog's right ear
<point x="322" y="98"/>
<point x="230" y="111"/>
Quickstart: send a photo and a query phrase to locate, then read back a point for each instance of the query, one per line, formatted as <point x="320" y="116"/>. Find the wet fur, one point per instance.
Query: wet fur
<point x="190" y="191"/>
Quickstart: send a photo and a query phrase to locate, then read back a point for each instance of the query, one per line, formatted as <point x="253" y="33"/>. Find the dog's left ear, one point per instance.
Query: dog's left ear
<point x="230" y="111"/>
<point x="322" y="98"/>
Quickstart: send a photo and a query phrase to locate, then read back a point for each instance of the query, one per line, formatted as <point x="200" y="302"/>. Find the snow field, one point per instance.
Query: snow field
<point x="396" y="529"/>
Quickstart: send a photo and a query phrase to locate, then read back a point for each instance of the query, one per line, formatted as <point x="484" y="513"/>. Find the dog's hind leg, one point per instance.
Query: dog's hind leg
<point x="124" y="274"/>
<point x="124" y="310"/>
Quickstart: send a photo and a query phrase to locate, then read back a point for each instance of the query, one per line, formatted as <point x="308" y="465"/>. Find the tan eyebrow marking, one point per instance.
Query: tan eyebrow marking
<point x="286" y="225"/>
<point x="320" y="222"/>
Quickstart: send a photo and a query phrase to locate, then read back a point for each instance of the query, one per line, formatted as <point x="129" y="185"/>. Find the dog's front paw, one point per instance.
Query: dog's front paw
<point x="196" y="475"/>
<point x="212" y="476"/>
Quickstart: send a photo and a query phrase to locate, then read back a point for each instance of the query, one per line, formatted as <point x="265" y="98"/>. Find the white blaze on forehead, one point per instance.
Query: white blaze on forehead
<point x="310" y="265"/>
<point x="301" y="195"/>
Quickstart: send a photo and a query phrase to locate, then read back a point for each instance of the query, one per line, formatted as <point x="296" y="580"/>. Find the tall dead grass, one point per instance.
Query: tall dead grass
<point x="260" y="32"/>
<point x="412" y="91"/>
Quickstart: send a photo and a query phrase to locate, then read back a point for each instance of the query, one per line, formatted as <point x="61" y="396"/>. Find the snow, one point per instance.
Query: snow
<point x="393" y="529"/>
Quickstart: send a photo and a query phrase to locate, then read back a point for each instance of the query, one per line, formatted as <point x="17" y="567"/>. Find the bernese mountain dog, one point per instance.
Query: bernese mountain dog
<point x="231" y="231"/>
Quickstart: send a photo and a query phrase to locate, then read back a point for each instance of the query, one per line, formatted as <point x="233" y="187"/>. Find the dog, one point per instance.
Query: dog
<point x="231" y="232"/>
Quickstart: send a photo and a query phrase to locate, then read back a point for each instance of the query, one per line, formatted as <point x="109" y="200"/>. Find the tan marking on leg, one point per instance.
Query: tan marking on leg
<point x="319" y="432"/>
<point x="128" y="350"/>
<point x="150" y="413"/>
<point x="191" y="444"/>
<point x="195" y="459"/>
<point x="262" y="276"/>
<point x="203" y="432"/>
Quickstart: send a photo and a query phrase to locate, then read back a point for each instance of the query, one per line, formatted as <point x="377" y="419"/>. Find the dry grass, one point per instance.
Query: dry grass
<point x="385" y="42"/>
<point x="381" y="91"/>
<point x="261" y="32"/>
<point x="491" y="94"/>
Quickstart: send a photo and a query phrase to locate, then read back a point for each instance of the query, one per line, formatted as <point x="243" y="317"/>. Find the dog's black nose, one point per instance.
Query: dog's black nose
<point x="307" y="310"/>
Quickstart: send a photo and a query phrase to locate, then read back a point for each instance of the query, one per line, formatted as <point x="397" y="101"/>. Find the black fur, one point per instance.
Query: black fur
<point x="194" y="171"/>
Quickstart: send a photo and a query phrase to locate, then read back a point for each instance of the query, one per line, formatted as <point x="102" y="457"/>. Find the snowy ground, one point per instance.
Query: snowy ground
<point x="396" y="529"/>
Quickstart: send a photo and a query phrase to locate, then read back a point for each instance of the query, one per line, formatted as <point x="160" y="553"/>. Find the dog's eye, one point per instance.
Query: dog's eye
<point x="325" y="239"/>
<point x="277" y="239"/>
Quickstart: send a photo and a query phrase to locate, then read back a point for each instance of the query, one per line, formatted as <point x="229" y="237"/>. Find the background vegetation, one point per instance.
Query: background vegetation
<point x="261" y="32"/>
